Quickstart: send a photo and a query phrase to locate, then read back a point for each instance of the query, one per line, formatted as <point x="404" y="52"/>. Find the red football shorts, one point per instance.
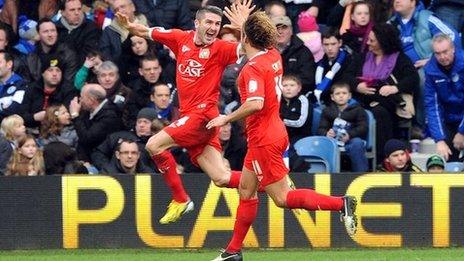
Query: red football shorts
<point x="267" y="162"/>
<point x="190" y="132"/>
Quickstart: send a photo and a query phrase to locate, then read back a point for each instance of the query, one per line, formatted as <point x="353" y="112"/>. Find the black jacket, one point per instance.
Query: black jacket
<point x="297" y="117"/>
<point x="92" y="132"/>
<point x="66" y="56"/>
<point x="166" y="13"/>
<point x="83" y="39"/>
<point x="354" y="114"/>
<point x="5" y="154"/>
<point x="404" y="72"/>
<point x="115" y="168"/>
<point x="299" y="60"/>
<point x="34" y="100"/>
<point x="104" y="153"/>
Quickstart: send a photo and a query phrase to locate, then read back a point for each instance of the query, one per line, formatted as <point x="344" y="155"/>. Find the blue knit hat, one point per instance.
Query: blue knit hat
<point x="27" y="28"/>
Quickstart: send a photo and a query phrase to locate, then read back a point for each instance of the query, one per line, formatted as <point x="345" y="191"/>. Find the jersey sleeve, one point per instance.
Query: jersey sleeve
<point x="229" y="52"/>
<point x="254" y="82"/>
<point x="170" y="37"/>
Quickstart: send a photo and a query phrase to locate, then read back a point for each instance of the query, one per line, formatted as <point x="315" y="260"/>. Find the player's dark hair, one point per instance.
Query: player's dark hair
<point x="208" y="9"/>
<point x="260" y="31"/>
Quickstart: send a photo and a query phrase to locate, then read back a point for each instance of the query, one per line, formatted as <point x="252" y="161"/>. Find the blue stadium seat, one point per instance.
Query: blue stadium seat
<point x="371" y="145"/>
<point x="321" y="152"/>
<point x="454" y="166"/>
<point x="317" y="112"/>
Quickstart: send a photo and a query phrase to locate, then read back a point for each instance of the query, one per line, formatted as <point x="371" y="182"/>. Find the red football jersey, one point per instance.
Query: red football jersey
<point x="199" y="69"/>
<point x="261" y="78"/>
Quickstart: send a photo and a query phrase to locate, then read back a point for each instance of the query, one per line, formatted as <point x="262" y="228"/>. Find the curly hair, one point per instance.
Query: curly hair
<point x="51" y="123"/>
<point x="260" y="31"/>
<point x="388" y="37"/>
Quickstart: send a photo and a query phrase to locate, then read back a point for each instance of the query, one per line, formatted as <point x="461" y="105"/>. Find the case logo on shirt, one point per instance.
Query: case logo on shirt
<point x="191" y="68"/>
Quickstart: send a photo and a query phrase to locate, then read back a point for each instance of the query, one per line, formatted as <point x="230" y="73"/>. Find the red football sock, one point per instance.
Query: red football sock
<point x="234" y="181"/>
<point x="311" y="200"/>
<point x="167" y="165"/>
<point x="246" y="214"/>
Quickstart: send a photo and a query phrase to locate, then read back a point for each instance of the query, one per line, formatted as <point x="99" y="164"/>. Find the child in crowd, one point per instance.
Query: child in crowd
<point x="355" y="38"/>
<point x="57" y="126"/>
<point x="346" y="121"/>
<point x="310" y="35"/>
<point x="13" y="129"/>
<point x="296" y="113"/>
<point x="27" y="159"/>
<point x="435" y="164"/>
<point x="397" y="158"/>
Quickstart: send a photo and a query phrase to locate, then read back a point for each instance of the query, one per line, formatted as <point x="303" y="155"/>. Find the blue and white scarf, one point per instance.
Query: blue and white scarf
<point x="323" y="83"/>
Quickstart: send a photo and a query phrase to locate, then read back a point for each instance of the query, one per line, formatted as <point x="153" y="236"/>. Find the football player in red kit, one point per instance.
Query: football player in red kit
<point x="201" y="59"/>
<point x="260" y="90"/>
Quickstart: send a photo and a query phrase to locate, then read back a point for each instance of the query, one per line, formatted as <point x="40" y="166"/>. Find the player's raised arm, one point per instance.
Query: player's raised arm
<point x="134" y="28"/>
<point x="237" y="13"/>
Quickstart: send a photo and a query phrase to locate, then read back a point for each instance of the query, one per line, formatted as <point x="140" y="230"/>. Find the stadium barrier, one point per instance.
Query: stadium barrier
<point x="122" y="211"/>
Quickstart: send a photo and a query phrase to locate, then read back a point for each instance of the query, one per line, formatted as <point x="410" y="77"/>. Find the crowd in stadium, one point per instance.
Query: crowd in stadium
<point x="80" y="94"/>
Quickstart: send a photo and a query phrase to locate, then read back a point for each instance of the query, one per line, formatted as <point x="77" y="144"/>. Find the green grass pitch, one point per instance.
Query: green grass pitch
<point x="249" y="255"/>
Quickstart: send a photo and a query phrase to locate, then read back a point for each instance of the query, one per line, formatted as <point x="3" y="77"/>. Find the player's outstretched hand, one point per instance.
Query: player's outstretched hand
<point x="134" y="28"/>
<point x="219" y="121"/>
<point x="238" y="13"/>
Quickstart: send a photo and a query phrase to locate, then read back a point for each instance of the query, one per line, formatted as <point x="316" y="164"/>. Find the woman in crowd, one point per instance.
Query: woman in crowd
<point x="382" y="79"/>
<point x="356" y="37"/>
<point x="27" y="159"/>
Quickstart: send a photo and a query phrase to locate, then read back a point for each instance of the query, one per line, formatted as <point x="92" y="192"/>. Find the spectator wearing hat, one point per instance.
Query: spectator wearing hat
<point x="76" y="30"/>
<point x="50" y="89"/>
<point x="47" y="47"/>
<point x="310" y="35"/>
<point x="94" y="117"/>
<point x="296" y="57"/>
<point x="435" y="164"/>
<point x="127" y="155"/>
<point x="12" y="87"/>
<point x="397" y="158"/>
<point x="28" y="36"/>
<point x="104" y="154"/>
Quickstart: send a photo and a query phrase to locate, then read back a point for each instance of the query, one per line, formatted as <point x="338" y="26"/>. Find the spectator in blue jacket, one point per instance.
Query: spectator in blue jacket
<point x="444" y="96"/>
<point x="12" y="87"/>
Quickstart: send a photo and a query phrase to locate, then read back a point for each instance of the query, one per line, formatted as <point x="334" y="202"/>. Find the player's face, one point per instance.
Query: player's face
<point x="284" y="34"/>
<point x="341" y="96"/>
<point x="361" y="15"/>
<point x="331" y="47"/>
<point x="207" y="29"/>
<point x="143" y="127"/>
<point x="150" y="71"/>
<point x="444" y="52"/>
<point x="398" y="159"/>
<point x="290" y="89"/>
<point x="161" y="96"/>
<point x="128" y="155"/>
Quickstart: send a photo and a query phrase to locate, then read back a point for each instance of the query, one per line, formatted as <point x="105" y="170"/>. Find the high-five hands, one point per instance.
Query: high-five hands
<point x="238" y="13"/>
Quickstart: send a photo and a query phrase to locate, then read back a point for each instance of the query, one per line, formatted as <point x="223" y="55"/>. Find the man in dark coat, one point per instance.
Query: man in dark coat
<point x="166" y="13"/>
<point x="77" y="31"/>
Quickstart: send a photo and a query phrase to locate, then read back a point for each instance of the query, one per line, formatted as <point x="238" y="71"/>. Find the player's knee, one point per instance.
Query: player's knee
<point x="280" y="202"/>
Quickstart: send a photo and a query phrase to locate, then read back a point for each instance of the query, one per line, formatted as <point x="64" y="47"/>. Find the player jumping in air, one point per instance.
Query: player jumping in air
<point x="201" y="59"/>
